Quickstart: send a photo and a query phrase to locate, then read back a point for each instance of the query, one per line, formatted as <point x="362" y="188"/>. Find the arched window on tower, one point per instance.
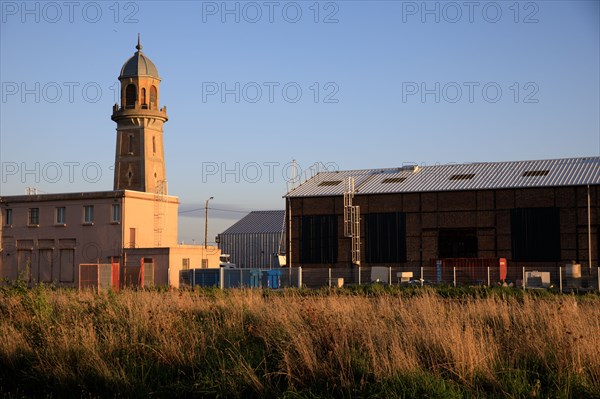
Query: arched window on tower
<point x="153" y="97"/>
<point x="144" y="104"/>
<point x="130" y="96"/>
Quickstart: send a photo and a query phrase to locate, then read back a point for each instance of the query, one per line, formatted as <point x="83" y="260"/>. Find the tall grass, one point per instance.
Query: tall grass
<point x="245" y="343"/>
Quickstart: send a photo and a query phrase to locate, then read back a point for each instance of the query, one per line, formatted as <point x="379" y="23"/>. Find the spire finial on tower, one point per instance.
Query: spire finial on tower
<point x="139" y="46"/>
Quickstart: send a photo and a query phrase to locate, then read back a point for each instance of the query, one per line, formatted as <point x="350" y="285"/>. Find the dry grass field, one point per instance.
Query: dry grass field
<point x="366" y="342"/>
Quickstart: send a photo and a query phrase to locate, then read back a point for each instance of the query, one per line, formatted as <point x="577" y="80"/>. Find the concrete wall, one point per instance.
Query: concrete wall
<point x="251" y="250"/>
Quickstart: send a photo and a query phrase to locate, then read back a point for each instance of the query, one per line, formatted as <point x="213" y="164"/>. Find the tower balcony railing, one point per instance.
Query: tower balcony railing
<point x="144" y="109"/>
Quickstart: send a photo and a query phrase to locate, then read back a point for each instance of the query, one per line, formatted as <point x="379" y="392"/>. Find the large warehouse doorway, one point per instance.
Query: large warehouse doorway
<point x="457" y="243"/>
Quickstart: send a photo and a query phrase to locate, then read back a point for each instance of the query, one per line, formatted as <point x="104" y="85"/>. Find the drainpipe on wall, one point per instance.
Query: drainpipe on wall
<point x="290" y="232"/>
<point x="589" y="229"/>
<point x="122" y="272"/>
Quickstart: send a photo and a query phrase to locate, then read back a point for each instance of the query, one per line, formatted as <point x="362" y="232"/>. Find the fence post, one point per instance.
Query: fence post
<point x="560" y="278"/>
<point x="299" y="276"/>
<point x="221" y="278"/>
<point x="598" y="278"/>
<point x="329" y="280"/>
<point x="359" y="275"/>
<point x="489" y="279"/>
<point x="422" y="280"/>
<point x="524" y="282"/>
<point x="454" y="272"/>
<point x="390" y="275"/>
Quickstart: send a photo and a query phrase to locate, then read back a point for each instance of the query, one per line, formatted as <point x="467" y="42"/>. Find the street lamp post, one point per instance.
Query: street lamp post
<point x="206" y="223"/>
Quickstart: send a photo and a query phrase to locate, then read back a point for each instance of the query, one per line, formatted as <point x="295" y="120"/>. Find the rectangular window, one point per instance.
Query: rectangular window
<point x="385" y="237"/>
<point x="34" y="216"/>
<point x="8" y="218"/>
<point x="319" y="239"/>
<point x="185" y="263"/>
<point x="132" y="237"/>
<point x="88" y="214"/>
<point x="457" y="243"/>
<point x="393" y="180"/>
<point x="535" y="234"/>
<point x="116" y="213"/>
<point x="61" y="215"/>
<point x="534" y="173"/>
<point x="204" y="263"/>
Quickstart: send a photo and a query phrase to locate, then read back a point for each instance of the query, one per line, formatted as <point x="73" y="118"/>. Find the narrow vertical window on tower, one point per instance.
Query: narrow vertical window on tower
<point x="153" y="95"/>
<point x="153" y="144"/>
<point x="144" y="105"/>
<point x="130" y="96"/>
<point x="130" y="144"/>
<point x="8" y="219"/>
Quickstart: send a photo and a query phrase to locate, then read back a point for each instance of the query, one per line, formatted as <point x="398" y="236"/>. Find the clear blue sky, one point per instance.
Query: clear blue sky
<point x="378" y="68"/>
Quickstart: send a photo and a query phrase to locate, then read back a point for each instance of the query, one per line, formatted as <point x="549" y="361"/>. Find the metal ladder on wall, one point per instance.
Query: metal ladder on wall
<point x="352" y="220"/>
<point x="160" y="198"/>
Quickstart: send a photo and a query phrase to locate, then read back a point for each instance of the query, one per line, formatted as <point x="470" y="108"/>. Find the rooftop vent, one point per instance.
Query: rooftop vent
<point x="532" y="173"/>
<point x="393" y="180"/>
<point x="330" y="183"/>
<point x="462" y="177"/>
<point x="410" y="168"/>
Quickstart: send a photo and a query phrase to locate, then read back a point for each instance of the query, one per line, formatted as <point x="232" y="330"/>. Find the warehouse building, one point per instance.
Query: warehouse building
<point x="255" y="240"/>
<point x="540" y="214"/>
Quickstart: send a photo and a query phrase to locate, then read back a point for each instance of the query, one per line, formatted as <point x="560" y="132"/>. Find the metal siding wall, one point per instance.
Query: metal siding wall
<point x="253" y="250"/>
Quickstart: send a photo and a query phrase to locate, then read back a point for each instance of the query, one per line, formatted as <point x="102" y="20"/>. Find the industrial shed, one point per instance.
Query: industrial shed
<point x="253" y="241"/>
<point x="533" y="213"/>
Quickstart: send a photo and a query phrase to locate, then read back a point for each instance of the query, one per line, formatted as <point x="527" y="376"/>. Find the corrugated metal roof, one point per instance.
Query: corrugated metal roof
<point x="453" y="177"/>
<point x="258" y="222"/>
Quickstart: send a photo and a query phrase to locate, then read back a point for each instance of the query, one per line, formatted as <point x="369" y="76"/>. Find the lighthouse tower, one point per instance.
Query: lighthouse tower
<point x="139" y="156"/>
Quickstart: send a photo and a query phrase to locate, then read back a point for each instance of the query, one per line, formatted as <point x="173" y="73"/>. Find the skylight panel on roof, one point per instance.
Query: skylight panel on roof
<point x="532" y="173"/>
<point x="393" y="180"/>
<point x="462" y="177"/>
<point x="330" y="183"/>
